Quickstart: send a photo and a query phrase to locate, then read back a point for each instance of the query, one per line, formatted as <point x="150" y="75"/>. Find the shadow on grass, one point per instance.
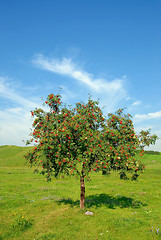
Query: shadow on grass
<point x="99" y="200"/>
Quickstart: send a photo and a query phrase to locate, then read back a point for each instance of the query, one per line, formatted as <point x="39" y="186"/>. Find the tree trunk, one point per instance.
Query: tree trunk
<point x="82" y="195"/>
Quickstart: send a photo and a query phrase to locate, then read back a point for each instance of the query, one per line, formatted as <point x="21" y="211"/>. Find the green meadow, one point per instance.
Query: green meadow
<point x="32" y="208"/>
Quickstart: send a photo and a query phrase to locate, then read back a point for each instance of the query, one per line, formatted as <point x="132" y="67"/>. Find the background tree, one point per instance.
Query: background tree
<point x="146" y="139"/>
<point x="76" y="141"/>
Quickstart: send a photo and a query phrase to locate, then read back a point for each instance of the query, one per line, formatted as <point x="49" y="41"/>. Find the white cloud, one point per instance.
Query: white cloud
<point x="15" y="126"/>
<point x="154" y="115"/>
<point x="15" y="121"/>
<point x="136" y="103"/>
<point x="113" y="91"/>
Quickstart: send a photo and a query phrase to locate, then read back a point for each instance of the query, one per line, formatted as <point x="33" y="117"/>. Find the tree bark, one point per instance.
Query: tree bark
<point x="82" y="194"/>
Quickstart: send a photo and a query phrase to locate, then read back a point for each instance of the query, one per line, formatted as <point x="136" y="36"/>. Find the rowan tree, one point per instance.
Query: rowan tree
<point x="76" y="141"/>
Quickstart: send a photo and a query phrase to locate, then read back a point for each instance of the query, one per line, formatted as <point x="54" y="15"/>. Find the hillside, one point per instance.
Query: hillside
<point x="32" y="208"/>
<point x="12" y="156"/>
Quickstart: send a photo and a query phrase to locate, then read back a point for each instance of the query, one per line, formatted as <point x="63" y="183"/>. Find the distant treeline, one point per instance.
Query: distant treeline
<point x="152" y="152"/>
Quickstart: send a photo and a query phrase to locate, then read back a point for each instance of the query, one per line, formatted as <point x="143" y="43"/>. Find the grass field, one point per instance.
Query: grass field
<point x="32" y="209"/>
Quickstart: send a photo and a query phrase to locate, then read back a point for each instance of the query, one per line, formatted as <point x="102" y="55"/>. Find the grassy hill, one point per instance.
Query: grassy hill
<point x="12" y="156"/>
<point x="31" y="208"/>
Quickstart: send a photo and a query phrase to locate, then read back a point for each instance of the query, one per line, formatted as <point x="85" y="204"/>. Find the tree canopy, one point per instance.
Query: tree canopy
<point x="76" y="141"/>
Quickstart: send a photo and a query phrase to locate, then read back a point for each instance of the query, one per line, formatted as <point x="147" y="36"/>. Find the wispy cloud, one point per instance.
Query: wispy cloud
<point x="68" y="68"/>
<point x="8" y="92"/>
<point x="114" y="90"/>
<point x="15" y="117"/>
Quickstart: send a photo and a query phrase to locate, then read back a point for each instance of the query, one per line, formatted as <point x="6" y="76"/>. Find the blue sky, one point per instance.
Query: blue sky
<point x="110" y="49"/>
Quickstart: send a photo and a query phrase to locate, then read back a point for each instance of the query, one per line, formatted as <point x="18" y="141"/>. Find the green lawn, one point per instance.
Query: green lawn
<point x="32" y="208"/>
